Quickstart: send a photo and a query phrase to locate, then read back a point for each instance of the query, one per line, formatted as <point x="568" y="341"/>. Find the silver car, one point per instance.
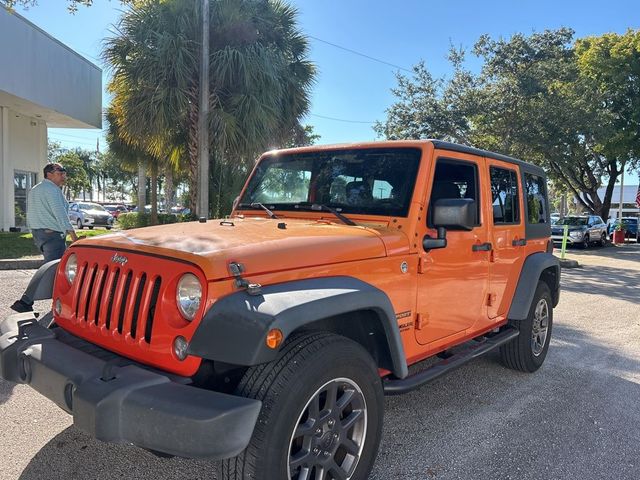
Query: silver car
<point x="86" y="214"/>
<point x="584" y="230"/>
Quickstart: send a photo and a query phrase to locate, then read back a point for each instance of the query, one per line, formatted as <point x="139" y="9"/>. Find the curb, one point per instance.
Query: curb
<point x="566" y="263"/>
<point x="20" y="264"/>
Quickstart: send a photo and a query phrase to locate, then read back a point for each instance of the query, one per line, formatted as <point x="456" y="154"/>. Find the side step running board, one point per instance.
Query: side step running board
<point x="395" y="386"/>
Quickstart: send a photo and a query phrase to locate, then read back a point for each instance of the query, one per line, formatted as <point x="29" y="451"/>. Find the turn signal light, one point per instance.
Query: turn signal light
<point x="274" y="338"/>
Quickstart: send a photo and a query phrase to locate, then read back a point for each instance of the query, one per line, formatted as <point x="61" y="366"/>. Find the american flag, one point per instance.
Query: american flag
<point x="638" y="197"/>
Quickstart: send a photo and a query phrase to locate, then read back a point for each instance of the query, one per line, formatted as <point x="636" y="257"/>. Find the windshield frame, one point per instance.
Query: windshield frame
<point x="397" y="166"/>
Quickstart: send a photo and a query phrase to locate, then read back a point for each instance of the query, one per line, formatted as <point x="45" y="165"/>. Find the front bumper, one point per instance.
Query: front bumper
<point x="127" y="404"/>
<point x="570" y="240"/>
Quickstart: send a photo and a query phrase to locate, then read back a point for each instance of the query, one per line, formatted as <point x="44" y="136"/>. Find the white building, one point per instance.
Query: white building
<point x="629" y="207"/>
<point x="43" y="83"/>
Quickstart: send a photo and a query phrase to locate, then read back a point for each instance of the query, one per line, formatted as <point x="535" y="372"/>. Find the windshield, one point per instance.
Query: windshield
<point x="626" y="221"/>
<point x="376" y="181"/>
<point x="576" y="221"/>
<point x="90" y="206"/>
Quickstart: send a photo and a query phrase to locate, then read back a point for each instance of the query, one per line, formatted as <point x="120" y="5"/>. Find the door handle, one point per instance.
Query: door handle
<point x="519" y="243"/>
<point x="482" y="247"/>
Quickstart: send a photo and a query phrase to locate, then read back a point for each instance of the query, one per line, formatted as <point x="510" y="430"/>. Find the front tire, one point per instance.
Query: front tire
<point x="79" y="224"/>
<point x="585" y="242"/>
<point x="527" y="352"/>
<point x="321" y="417"/>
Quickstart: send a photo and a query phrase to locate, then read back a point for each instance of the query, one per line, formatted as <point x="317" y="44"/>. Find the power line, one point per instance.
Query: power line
<point x="73" y="142"/>
<point x="360" y="54"/>
<point x="70" y="136"/>
<point x="340" y="119"/>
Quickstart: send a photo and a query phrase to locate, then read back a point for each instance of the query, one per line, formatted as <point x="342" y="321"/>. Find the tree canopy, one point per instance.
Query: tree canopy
<point x="72" y="5"/>
<point x="260" y="80"/>
<point x="572" y="107"/>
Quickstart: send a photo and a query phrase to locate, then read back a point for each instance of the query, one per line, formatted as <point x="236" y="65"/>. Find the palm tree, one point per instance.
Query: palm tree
<point x="260" y="78"/>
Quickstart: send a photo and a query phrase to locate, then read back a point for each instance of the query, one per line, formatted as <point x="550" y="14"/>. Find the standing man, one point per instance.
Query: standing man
<point x="48" y="220"/>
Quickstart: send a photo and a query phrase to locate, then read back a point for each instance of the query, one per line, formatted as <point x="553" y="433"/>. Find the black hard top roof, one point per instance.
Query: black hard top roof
<point x="455" y="147"/>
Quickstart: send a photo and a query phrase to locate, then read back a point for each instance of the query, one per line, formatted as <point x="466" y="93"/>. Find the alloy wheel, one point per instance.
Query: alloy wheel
<point x="540" y="327"/>
<point x="329" y="436"/>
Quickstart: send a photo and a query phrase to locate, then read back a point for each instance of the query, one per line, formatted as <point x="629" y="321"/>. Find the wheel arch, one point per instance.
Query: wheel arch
<point x="537" y="267"/>
<point x="41" y="285"/>
<point x="234" y="329"/>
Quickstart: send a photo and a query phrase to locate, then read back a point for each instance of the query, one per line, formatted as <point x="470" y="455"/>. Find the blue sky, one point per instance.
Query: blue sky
<point x="351" y="90"/>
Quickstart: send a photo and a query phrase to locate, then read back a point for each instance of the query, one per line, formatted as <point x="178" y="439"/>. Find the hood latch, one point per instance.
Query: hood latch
<point x="237" y="269"/>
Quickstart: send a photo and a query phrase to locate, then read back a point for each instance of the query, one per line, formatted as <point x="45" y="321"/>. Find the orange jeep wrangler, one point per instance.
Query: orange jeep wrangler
<point x="267" y="339"/>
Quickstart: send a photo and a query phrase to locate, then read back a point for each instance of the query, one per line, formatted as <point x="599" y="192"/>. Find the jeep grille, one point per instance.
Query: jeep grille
<point x="117" y="298"/>
<point x="127" y="307"/>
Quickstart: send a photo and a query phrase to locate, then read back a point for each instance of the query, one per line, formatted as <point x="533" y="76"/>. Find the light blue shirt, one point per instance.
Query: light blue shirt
<point x="47" y="208"/>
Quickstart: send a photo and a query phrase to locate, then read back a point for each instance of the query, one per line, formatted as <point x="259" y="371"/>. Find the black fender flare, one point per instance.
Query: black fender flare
<point x="532" y="271"/>
<point x="41" y="285"/>
<point x="234" y="329"/>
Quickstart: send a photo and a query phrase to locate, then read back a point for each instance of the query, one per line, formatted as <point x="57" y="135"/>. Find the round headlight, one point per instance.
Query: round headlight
<point x="71" y="267"/>
<point x="189" y="295"/>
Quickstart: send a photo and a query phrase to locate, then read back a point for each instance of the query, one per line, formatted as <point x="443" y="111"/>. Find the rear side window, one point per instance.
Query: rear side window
<point x="536" y="192"/>
<point x="504" y="193"/>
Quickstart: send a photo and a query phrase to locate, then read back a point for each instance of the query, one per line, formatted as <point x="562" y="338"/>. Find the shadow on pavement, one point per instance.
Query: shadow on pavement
<point x="6" y="390"/>
<point x="74" y="455"/>
<point x="629" y="252"/>
<point x="599" y="280"/>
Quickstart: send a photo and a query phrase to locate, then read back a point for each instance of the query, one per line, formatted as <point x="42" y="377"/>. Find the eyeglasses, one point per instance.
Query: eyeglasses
<point x="61" y="170"/>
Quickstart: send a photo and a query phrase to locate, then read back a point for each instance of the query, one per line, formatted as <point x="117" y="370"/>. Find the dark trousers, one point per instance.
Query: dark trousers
<point x="50" y="243"/>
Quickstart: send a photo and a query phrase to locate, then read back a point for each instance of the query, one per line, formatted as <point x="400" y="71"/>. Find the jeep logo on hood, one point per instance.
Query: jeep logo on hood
<point x="119" y="259"/>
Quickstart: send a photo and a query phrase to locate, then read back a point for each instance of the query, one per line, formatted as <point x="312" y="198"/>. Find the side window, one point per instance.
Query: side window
<point x="455" y="179"/>
<point x="504" y="193"/>
<point x="536" y="198"/>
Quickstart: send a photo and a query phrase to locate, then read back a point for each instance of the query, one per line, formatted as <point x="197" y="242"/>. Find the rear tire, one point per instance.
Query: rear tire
<point x="603" y="240"/>
<point x="527" y="352"/>
<point x="322" y="411"/>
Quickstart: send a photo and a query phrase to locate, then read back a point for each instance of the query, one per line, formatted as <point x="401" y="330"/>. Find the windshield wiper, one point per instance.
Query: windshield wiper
<point x="319" y="207"/>
<point x="259" y="205"/>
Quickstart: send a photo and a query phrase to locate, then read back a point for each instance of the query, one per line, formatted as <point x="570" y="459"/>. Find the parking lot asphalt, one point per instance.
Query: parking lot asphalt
<point x="578" y="417"/>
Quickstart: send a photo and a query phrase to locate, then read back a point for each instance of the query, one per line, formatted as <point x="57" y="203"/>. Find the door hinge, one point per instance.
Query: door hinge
<point x="422" y="260"/>
<point x="491" y="299"/>
<point x="422" y="319"/>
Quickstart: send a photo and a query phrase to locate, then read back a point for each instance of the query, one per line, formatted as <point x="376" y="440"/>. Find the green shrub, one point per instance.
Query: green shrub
<point x="138" y="220"/>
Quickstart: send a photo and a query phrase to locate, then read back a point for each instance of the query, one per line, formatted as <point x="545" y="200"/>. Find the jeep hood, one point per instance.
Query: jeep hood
<point x="261" y="245"/>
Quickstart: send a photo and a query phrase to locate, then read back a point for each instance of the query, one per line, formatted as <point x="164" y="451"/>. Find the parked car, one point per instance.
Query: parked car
<point x="115" y="210"/>
<point x="629" y="225"/>
<point x="86" y="214"/>
<point x="583" y="230"/>
<point x="179" y="210"/>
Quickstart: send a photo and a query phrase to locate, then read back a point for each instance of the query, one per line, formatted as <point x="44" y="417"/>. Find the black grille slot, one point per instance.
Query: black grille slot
<point x="152" y="309"/>
<point x="136" y="306"/>
<point x="105" y="274"/>
<point x="81" y="282"/>
<point x="87" y="299"/>
<point x="125" y="297"/>
<point x="111" y="299"/>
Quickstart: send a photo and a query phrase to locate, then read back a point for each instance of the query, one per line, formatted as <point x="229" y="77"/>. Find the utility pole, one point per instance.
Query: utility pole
<point x="621" y="195"/>
<point x="203" y="116"/>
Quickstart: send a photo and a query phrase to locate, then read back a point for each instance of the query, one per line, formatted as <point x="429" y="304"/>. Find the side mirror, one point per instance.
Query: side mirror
<point x="455" y="213"/>
<point x="452" y="213"/>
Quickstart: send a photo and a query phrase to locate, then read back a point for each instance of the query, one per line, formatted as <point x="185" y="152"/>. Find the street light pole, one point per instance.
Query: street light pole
<point x="203" y="116"/>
